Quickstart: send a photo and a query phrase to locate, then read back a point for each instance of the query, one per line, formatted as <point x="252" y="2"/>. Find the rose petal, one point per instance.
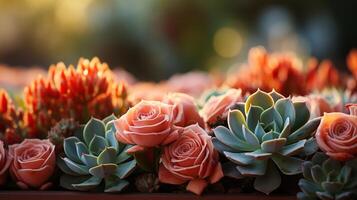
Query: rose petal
<point x="197" y="186"/>
<point x="166" y="176"/>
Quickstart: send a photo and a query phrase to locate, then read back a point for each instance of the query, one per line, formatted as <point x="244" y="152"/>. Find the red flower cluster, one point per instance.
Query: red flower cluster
<point x="88" y="90"/>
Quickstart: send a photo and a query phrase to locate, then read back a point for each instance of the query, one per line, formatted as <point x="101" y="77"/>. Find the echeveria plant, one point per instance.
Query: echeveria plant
<point x="264" y="136"/>
<point x="96" y="156"/>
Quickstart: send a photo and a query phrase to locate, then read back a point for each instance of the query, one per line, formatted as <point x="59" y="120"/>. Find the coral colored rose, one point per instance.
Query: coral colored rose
<point x="147" y="124"/>
<point x="184" y="111"/>
<point x="5" y="162"/>
<point x="217" y="107"/>
<point x="317" y="105"/>
<point x="352" y="108"/>
<point x="191" y="158"/>
<point x="337" y="135"/>
<point x="33" y="163"/>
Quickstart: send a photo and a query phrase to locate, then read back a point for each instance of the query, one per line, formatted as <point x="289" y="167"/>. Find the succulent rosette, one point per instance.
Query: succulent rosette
<point x="5" y="161"/>
<point x="326" y="178"/>
<point x="33" y="163"/>
<point x="95" y="157"/>
<point x="337" y="134"/>
<point x="191" y="158"/>
<point x="265" y="135"/>
<point x="68" y="92"/>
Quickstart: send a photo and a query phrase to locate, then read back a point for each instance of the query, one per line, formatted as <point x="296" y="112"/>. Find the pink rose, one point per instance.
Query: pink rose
<point x="5" y="162"/>
<point x="217" y="107"/>
<point x="147" y="124"/>
<point x="191" y="158"/>
<point x="337" y="135"/>
<point x="184" y="111"/>
<point x="33" y="163"/>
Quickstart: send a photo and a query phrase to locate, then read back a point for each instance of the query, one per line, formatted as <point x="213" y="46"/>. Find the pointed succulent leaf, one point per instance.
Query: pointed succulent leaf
<point x="271" y="115"/>
<point x="286" y="109"/>
<point x="81" y="149"/>
<point x="306" y="170"/>
<point x="310" y="146"/>
<point x="220" y="147"/>
<point x="239" y="158"/>
<point x="67" y="181"/>
<point x="97" y="145"/>
<point x="225" y="136"/>
<point x="112" y="141"/>
<point x="116" y="186"/>
<point x="345" y="174"/>
<point x="288" y="165"/>
<point x="109" y="118"/>
<point x="257" y="168"/>
<point x="347" y="195"/>
<point x="302" y="114"/>
<point x="110" y="126"/>
<point x="259" y="154"/>
<point x="123" y="155"/>
<point x="63" y="167"/>
<point x="325" y="196"/>
<point x="302" y="196"/>
<point x="125" y="169"/>
<point x="286" y="129"/>
<point x="69" y="146"/>
<point x="309" y="187"/>
<point x="239" y="106"/>
<point x="268" y="136"/>
<point x="103" y="170"/>
<point x="89" y="184"/>
<point x="275" y="95"/>
<point x="250" y="137"/>
<point x="332" y="187"/>
<point x="108" y="155"/>
<point x="274" y="145"/>
<point x="89" y="160"/>
<point x="319" y="158"/>
<point x="270" y="181"/>
<point x="305" y="131"/>
<point x="293" y="149"/>
<point x="259" y="132"/>
<point x="259" y="98"/>
<point x="230" y="170"/>
<point x="317" y="174"/>
<point x="235" y="121"/>
<point x="93" y="127"/>
<point x="253" y="116"/>
<point x="75" y="167"/>
<point x="330" y="165"/>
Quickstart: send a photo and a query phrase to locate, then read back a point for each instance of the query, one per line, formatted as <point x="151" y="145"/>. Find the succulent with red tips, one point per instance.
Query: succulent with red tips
<point x="77" y="93"/>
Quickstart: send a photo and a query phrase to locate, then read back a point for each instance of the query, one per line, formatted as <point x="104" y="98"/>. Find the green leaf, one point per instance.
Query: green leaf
<point x="230" y="170"/>
<point x="123" y="156"/>
<point x="116" y="186"/>
<point x="253" y="116"/>
<point x="125" y="169"/>
<point x="330" y="165"/>
<point x="275" y="95"/>
<point x="250" y="137"/>
<point x="259" y="98"/>
<point x="81" y="149"/>
<point x="235" y="121"/>
<point x="306" y="170"/>
<point x="110" y="126"/>
<point x="286" y="129"/>
<point x="69" y="146"/>
<point x="319" y="158"/>
<point x="274" y="145"/>
<point x="239" y="158"/>
<point x="97" y="145"/>
<point x="288" y="165"/>
<point x="89" y="160"/>
<point x="259" y="132"/>
<point x="89" y="184"/>
<point x="302" y="114"/>
<point x="271" y="115"/>
<point x="93" y="127"/>
<point x="108" y="155"/>
<point x="66" y="181"/>
<point x="259" y="154"/>
<point x="270" y="181"/>
<point x="332" y="187"/>
<point x="308" y="187"/>
<point x="63" y="166"/>
<point x="225" y="136"/>
<point x="75" y="167"/>
<point x="109" y="118"/>
<point x="286" y="109"/>
<point x="103" y="170"/>
<point x="305" y="131"/>
<point x="111" y="139"/>
<point x="311" y="146"/>
<point x="220" y="147"/>
<point x="268" y="136"/>
<point x="317" y="174"/>
<point x="293" y="149"/>
<point x="325" y="196"/>
<point x="257" y="168"/>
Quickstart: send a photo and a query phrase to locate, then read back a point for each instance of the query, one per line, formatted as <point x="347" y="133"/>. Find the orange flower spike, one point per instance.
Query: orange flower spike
<point x="352" y="62"/>
<point x="3" y="102"/>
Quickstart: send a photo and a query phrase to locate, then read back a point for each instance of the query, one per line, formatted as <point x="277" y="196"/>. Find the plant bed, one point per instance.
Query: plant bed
<point x="66" y="195"/>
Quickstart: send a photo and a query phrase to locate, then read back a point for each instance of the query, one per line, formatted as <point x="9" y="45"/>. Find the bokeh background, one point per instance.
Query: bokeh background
<point x="154" y="39"/>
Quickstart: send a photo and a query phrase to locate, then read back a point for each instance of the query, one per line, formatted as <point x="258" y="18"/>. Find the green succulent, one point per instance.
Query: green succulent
<point x="94" y="156"/>
<point x="328" y="179"/>
<point x="265" y="135"/>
